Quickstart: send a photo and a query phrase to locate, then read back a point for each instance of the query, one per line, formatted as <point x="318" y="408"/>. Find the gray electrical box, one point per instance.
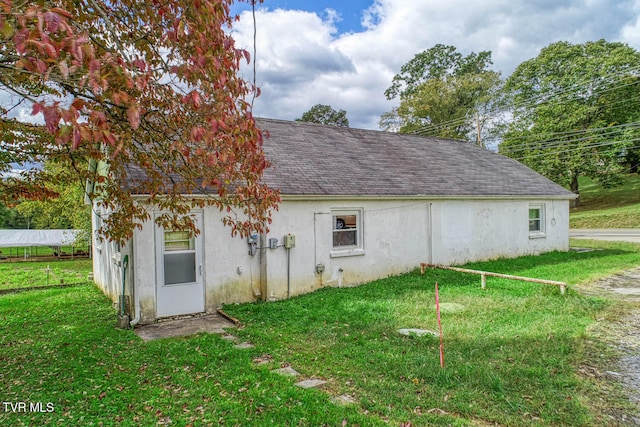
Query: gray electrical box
<point x="289" y="241"/>
<point x="273" y="243"/>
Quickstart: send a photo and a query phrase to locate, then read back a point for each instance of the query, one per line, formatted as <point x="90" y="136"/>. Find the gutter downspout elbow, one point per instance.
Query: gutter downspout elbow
<point x="136" y="319"/>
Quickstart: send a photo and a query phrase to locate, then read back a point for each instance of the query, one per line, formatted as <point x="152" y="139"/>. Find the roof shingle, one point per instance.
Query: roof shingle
<point x="312" y="159"/>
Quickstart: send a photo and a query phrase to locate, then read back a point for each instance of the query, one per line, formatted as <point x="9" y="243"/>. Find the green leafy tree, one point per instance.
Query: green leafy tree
<point x="326" y="115"/>
<point x="575" y="111"/>
<point x="6" y="216"/>
<point x="438" y="62"/>
<point x="66" y="209"/>
<point x="443" y="93"/>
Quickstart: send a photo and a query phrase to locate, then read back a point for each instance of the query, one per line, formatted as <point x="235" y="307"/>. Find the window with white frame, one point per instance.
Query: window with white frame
<point x="536" y="219"/>
<point x="347" y="229"/>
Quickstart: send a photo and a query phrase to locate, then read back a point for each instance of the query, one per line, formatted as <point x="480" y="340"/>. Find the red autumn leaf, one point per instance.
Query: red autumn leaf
<point x="61" y="12"/>
<point x="197" y="133"/>
<point x="41" y="66"/>
<point x="133" y="114"/>
<point x="64" y="69"/>
<point x="177" y="45"/>
<point x="51" y="117"/>
<point x="109" y="137"/>
<point x="196" y="99"/>
<point x="77" y="138"/>
<point x="140" y="64"/>
<point x="52" y="20"/>
<point x="94" y="66"/>
<point x="37" y="108"/>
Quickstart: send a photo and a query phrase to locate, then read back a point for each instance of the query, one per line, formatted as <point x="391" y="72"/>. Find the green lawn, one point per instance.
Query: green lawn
<point x="617" y="207"/>
<point x="512" y="356"/>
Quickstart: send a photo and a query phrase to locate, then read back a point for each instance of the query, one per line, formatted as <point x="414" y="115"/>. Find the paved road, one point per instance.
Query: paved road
<point x="616" y="234"/>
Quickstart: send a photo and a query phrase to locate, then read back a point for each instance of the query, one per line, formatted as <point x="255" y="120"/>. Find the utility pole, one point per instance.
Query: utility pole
<point x="478" y="136"/>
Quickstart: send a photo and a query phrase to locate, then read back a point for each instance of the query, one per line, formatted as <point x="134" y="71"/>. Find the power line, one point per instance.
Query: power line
<point x="551" y="143"/>
<point x="586" y="147"/>
<point x="565" y="95"/>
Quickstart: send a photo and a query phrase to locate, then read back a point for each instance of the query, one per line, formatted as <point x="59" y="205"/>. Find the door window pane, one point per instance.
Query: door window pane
<point x="179" y="268"/>
<point x="178" y="241"/>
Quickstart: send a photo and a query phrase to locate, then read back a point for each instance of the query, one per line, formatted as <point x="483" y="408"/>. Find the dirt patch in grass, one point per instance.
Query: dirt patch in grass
<point x="620" y="332"/>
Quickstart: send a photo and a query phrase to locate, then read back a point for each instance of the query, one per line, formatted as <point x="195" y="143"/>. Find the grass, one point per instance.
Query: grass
<point x="42" y="273"/>
<point x="60" y="347"/>
<point x="512" y="355"/>
<point x="617" y="207"/>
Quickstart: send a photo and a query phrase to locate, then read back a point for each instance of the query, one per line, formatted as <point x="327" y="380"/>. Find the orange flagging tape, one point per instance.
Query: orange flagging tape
<point x="439" y="327"/>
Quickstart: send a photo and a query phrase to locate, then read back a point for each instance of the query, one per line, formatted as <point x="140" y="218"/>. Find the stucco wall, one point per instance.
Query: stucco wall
<point x="144" y="271"/>
<point x="107" y="261"/>
<point x="231" y="274"/>
<point x="395" y="240"/>
<point x="397" y="236"/>
<point x="466" y="231"/>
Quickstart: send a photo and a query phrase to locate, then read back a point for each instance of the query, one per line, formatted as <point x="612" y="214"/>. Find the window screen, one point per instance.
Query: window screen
<point x="346" y="229"/>
<point x="535" y="219"/>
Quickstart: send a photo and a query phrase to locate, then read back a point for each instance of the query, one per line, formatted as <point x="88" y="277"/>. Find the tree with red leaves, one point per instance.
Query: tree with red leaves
<point x="138" y="98"/>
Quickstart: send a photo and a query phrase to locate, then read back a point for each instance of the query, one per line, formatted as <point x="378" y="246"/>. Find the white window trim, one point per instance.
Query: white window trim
<point x="347" y="251"/>
<point x="537" y="234"/>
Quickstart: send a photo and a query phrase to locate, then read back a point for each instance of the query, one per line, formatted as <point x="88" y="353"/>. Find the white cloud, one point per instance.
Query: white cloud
<point x="24" y="115"/>
<point x="630" y="33"/>
<point x="303" y="61"/>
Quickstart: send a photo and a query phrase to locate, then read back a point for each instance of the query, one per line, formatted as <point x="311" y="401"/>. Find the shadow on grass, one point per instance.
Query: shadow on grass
<point x="43" y="287"/>
<point x="512" y="265"/>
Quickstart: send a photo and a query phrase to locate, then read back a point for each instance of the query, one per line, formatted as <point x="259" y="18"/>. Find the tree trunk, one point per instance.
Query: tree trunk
<point x="574" y="188"/>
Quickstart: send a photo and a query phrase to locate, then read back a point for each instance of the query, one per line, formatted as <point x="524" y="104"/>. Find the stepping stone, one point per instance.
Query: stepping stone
<point x="417" y="332"/>
<point x="287" y="371"/>
<point x="265" y="359"/>
<point x="230" y="337"/>
<point x="244" y="345"/>
<point x="345" y="399"/>
<point x="310" y="383"/>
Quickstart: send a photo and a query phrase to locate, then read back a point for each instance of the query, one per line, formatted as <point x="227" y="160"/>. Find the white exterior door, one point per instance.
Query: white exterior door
<point x="179" y="283"/>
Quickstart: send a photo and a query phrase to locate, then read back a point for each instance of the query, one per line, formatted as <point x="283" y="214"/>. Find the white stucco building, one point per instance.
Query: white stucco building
<point x="360" y="205"/>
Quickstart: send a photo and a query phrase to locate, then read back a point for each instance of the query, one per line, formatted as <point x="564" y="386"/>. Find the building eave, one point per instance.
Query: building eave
<point x="342" y="197"/>
<point x="313" y="197"/>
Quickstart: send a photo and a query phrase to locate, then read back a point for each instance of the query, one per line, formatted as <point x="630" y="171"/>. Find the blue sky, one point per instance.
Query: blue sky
<point x="344" y="53"/>
<point x="350" y="11"/>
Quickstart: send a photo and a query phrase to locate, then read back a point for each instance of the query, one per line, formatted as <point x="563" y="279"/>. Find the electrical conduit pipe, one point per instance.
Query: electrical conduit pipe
<point x="123" y="320"/>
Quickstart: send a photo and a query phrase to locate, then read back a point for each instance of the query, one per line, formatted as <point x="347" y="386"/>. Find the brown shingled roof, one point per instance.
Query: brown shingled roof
<point x="312" y="159"/>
